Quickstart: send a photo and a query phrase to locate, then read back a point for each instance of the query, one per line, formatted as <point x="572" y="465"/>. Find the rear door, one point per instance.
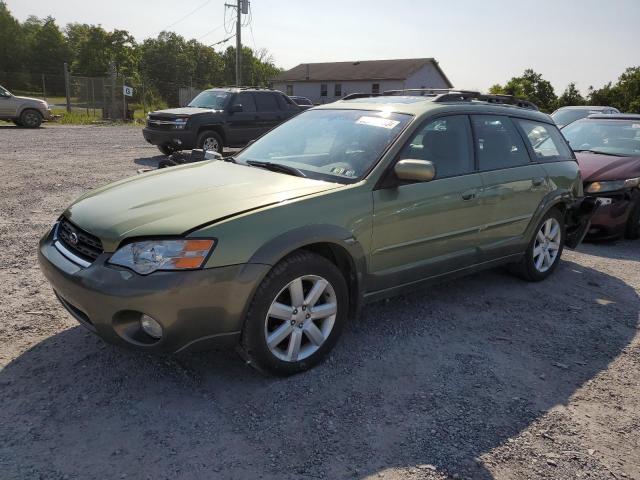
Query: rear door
<point x="269" y="113"/>
<point x="421" y="230"/>
<point x="243" y="126"/>
<point x="514" y="186"/>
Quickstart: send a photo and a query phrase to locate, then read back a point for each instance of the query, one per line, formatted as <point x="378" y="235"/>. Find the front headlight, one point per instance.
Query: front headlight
<point x="151" y="255"/>
<point x="611" y="186"/>
<point x="180" y="123"/>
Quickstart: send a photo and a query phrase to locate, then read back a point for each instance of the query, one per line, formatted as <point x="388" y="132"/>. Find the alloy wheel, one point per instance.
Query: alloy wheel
<point x="210" y="144"/>
<point x="300" y="318"/>
<point x="31" y="119"/>
<point x="547" y="245"/>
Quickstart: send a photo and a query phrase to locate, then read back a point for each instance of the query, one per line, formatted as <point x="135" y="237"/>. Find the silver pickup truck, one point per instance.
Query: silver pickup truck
<point x="23" y="111"/>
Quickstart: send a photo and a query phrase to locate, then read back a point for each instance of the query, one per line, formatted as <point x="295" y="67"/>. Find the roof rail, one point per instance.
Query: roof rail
<point x="245" y="87"/>
<point x="456" y="95"/>
<point x="353" y="96"/>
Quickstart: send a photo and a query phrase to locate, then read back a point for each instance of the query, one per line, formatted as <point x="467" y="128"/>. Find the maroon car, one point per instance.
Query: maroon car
<point x="608" y="150"/>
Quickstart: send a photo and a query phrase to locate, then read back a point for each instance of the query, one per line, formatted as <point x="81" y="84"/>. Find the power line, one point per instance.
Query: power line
<point x="187" y="15"/>
<point x="222" y="41"/>
<point x="211" y="31"/>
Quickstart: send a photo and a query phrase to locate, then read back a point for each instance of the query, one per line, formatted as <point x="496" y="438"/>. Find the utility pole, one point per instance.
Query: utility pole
<point x="242" y="8"/>
<point x="239" y="42"/>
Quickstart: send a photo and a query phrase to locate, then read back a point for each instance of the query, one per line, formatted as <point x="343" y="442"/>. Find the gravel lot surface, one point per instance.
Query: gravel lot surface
<point x="483" y="377"/>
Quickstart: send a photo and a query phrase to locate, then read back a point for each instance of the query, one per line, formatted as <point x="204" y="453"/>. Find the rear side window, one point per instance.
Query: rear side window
<point x="266" y="102"/>
<point x="285" y="103"/>
<point x="498" y="143"/>
<point x="546" y="141"/>
<point x="246" y="100"/>
<point x="446" y="142"/>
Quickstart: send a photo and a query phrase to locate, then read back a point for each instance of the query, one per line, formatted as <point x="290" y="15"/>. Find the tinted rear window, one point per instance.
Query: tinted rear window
<point x="266" y="102"/>
<point x="498" y="143"/>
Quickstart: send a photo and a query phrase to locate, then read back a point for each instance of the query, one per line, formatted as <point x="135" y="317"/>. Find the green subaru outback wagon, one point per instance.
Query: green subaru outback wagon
<point x="275" y="249"/>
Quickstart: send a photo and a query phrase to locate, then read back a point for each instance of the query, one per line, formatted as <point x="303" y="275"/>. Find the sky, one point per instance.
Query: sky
<point x="477" y="43"/>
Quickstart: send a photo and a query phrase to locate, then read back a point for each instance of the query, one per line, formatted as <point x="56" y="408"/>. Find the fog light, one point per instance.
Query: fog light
<point x="150" y="326"/>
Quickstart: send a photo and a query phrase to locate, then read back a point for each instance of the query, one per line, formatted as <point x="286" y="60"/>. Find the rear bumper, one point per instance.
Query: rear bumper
<point x="610" y="219"/>
<point x="180" y="139"/>
<point x="197" y="309"/>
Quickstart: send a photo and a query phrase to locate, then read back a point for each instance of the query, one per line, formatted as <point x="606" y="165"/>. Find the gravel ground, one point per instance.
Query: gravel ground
<point x="484" y="377"/>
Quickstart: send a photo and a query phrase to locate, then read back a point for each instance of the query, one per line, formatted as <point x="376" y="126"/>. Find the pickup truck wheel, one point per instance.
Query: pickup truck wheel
<point x="633" y="224"/>
<point x="166" y="149"/>
<point x="31" y="118"/>
<point x="16" y="122"/>
<point x="296" y="315"/>
<point x="544" y="250"/>
<point x="210" y="141"/>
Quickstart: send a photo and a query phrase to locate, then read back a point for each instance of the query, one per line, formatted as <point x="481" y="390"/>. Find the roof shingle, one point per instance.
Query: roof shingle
<point x="358" y="70"/>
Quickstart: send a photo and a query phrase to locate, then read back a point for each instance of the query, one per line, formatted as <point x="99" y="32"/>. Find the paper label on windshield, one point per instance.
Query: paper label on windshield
<point x="378" y="122"/>
<point x="635" y="125"/>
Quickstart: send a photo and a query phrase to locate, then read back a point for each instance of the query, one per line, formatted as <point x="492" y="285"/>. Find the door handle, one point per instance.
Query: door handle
<point x="470" y="195"/>
<point x="537" y="181"/>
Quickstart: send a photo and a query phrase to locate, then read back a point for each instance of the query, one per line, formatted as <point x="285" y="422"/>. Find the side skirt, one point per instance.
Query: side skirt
<point x="420" y="284"/>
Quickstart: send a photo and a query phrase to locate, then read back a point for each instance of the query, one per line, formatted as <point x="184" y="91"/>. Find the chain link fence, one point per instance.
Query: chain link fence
<point x="110" y="97"/>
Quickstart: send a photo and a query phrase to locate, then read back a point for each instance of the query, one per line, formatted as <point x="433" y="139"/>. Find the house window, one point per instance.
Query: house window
<point x="338" y="90"/>
<point x="289" y="89"/>
<point x="323" y="89"/>
<point x="375" y="88"/>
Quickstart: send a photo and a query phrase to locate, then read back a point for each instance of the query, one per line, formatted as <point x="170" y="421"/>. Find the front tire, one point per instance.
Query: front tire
<point x="544" y="250"/>
<point x="296" y="315"/>
<point x="31" y="118"/>
<point x="210" y="141"/>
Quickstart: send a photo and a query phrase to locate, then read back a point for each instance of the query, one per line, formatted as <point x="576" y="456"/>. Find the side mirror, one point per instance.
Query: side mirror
<point x="236" y="108"/>
<point x="415" y="170"/>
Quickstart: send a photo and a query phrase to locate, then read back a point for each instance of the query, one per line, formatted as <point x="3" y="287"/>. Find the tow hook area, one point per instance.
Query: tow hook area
<point x="578" y="219"/>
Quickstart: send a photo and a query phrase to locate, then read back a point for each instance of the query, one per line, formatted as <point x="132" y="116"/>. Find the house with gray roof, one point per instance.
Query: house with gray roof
<point x="328" y="82"/>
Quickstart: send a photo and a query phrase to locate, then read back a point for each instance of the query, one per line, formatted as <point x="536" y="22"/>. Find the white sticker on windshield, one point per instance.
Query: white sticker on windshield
<point x="635" y="125"/>
<point x="378" y="122"/>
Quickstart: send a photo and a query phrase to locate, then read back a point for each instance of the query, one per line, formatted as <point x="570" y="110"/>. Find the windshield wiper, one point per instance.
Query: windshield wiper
<point x="230" y="159"/>
<point x="276" y="167"/>
<point x="599" y="152"/>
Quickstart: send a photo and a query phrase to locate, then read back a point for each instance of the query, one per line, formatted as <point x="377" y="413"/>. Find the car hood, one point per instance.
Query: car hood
<point x="175" y="200"/>
<point x="183" y="112"/>
<point x="30" y="100"/>
<point x="597" y="167"/>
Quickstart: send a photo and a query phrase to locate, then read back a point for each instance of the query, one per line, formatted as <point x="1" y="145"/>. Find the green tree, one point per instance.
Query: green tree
<point x="12" y="47"/>
<point x="623" y="95"/>
<point x="48" y="48"/>
<point x="570" y="96"/>
<point x="530" y="86"/>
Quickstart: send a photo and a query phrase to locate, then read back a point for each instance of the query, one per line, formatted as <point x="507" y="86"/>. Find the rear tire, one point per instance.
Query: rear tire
<point x="544" y="250"/>
<point x="31" y="118"/>
<point x="296" y="315"/>
<point x="633" y="223"/>
<point x="16" y="122"/>
<point x="210" y="141"/>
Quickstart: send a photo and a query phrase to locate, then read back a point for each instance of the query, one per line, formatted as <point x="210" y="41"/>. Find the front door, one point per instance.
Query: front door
<point x="8" y="104"/>
<point x="422" y="230"/>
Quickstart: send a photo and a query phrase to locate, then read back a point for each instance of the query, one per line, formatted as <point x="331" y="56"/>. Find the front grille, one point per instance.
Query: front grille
<point x="81" y="243"/>
<point x="158" y="122"/>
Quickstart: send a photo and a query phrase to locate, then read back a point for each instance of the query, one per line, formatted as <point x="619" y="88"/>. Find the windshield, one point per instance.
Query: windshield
<point x="565" y="117"/>
<point x="4" y="92"/>
<point x="614" y="137"/>
<point x="332" y="145"/>
<point x="214" y="99"/>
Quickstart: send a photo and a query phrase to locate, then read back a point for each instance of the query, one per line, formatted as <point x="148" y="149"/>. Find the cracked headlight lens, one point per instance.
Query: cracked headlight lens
<point x="148" y="256"/>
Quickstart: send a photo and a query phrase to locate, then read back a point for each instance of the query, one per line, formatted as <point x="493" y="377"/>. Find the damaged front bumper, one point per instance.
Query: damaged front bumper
<point x="578" y="219"/>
